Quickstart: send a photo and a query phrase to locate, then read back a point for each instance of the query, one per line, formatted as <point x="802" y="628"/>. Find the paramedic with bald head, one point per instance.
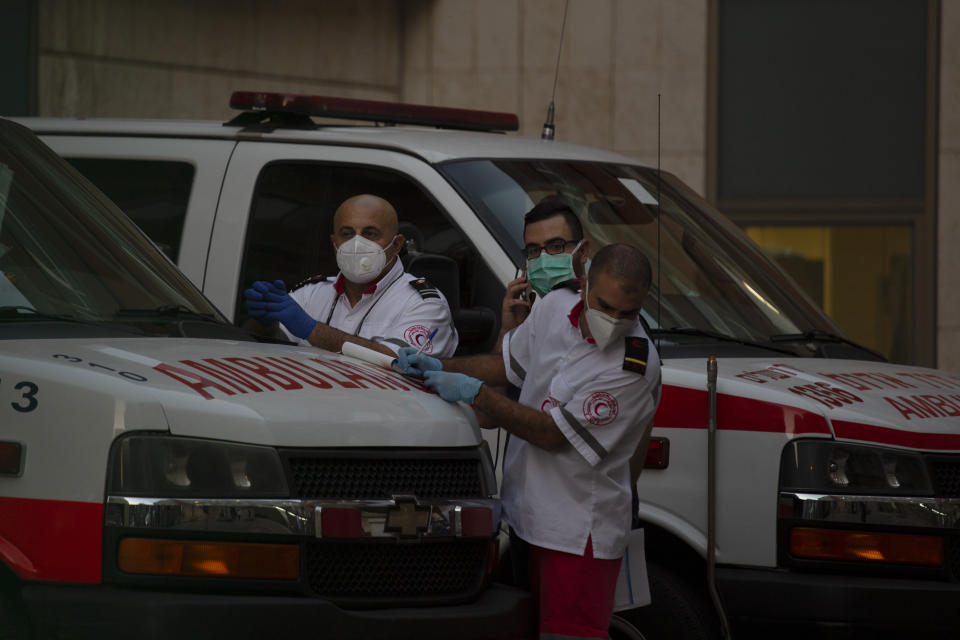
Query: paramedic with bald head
<point x="373" y="302"/>
<point x="589" y="386"/>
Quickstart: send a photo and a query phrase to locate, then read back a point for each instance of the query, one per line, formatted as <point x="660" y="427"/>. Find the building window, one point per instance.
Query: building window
<point x="830" y="265"/>
<point x="821" y="146"/>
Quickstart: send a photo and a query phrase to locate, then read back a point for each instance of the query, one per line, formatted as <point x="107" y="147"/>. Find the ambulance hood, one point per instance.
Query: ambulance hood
<point x="242" y="391"/>
<point x="870" y="402"/>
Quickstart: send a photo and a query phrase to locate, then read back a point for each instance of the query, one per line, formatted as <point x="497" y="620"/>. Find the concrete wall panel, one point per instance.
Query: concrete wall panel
<point x="165" y="32"/>
<point x="584" y="107"/>
<point x="454" y="36"/>
<point x="948" y="191"/>
<point x="949" y="350"/>
<point x="227" y="34"/>
<point x="635" y="111"/>
<point x="542" y="20"/>
<point x="498" y="36"/>
<point x="637" y="35"/>
<point x="683" y="34"/>
<point x="182" y="58"/>
<point x="588" y="40"/>
<point x="535" y="97"/>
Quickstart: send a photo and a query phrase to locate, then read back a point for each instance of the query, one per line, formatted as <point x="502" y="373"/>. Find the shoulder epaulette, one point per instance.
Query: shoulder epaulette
<point x="306" y="281"/>
<point x="635" y="354"/>
<point x="424" y="288"/>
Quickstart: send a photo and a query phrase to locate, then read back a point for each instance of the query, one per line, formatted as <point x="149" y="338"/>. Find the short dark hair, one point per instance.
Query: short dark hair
<point x="625" y="263"/>
<point x="553" y="206"/>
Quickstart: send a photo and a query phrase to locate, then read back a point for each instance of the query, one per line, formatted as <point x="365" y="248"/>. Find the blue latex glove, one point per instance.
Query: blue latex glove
<point x="414" y="364"/>
<point x="277" y="306"/>
<point x="452" y="387"/>
<point x="256" y="305"/>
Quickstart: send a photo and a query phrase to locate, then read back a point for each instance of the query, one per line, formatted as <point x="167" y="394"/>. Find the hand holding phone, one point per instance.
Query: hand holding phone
<point x="516" y="302"/>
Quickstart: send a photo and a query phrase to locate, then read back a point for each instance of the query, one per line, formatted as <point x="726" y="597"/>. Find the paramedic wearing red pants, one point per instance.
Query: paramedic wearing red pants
<point x="589" y="385"/>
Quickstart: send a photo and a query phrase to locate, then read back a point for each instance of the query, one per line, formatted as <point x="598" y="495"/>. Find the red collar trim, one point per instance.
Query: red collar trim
<point x="574" y="318"/>
<point x="339" y="288"/>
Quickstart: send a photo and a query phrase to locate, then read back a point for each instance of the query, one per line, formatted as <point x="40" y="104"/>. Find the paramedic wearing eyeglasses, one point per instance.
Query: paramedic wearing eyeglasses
<point x="556" y="255"/>
<point x="590" y="383"/>
<point x="373" y="302"/>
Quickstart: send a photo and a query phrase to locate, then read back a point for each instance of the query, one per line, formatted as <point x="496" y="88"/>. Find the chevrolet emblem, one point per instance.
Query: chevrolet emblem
<point x="407" y="519"/>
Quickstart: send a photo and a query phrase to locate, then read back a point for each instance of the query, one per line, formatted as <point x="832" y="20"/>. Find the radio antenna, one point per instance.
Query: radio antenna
<point x="659" y="218"/>
<point x="548" y="127"/>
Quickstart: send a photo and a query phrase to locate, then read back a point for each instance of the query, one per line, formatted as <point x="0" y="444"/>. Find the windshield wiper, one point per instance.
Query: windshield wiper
<point x="167" y="311"/>
<point x="816" y="335"/>
<point x="20" y="312"/>
<point x="722" y="337"/>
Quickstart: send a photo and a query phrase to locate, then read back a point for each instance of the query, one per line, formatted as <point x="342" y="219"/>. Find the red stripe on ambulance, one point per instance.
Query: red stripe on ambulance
<point x="683" y="408"/>
<point x="51" y="539"/>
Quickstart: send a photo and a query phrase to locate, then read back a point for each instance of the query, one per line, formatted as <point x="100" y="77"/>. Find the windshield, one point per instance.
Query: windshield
<point x="67" y="254"/>
<point x="708" y="277"/>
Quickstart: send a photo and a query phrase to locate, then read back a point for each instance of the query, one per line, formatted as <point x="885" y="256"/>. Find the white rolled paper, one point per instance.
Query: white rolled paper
<point x="359" y="352"/>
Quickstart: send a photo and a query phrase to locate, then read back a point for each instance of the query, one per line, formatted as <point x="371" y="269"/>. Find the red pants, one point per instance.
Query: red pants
<point x="575" y="593"/>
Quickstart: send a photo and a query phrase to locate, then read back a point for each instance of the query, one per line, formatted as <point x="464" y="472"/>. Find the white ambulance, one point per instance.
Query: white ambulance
<point x="165" y="475"/>
<point x="826" y="495"/>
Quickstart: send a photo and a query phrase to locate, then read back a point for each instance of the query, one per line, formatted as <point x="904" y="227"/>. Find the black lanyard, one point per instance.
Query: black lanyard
<point x="336" y="299"/>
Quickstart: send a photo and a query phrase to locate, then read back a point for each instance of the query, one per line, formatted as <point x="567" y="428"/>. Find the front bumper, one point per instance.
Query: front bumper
<point x="403" y="551"/>
<point x="75" y="612"/>
<point x="790" y="600"/>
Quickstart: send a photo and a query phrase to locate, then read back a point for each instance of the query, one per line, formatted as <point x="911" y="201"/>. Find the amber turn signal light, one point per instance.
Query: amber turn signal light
<point x="209" y="559"/>
<point x="862" y="546"/>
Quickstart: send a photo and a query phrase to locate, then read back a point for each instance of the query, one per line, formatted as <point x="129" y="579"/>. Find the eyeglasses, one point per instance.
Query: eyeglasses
<point x="553" y="247"/>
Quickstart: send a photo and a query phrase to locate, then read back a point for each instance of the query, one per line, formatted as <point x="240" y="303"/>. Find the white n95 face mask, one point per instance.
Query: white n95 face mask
<point x="604" y="328"/>
<point x="361" y="260"/>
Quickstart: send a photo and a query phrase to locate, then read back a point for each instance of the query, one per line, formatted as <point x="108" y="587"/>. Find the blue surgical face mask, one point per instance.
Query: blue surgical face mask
<point x="547" y="271"/>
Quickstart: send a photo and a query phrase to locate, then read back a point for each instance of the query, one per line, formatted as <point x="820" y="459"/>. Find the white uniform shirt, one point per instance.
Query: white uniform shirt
<point x="556" y="499"/>
<point x="392" y="312"/>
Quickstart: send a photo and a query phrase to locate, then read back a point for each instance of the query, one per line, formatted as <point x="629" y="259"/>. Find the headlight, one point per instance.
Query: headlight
<point x="163" y="466"/>
<point x="826" y="466"/>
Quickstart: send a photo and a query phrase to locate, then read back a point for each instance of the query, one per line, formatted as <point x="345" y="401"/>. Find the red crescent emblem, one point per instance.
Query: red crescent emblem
<point x="415" y="336"/>
<point x="549" y="403"/>
<point x="600" y="408"/>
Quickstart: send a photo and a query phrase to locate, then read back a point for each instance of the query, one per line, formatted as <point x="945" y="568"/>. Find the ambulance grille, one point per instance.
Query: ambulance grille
<point x="396" y="573"/>
<point x="946" y="477"/>
<point x="382" y="478"/>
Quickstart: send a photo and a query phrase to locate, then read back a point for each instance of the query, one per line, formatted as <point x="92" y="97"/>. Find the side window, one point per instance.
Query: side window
<point x="288" y="238"/>
<point x="154" y="193"/>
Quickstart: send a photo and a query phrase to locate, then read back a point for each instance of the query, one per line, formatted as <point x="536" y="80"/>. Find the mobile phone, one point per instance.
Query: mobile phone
<point x="525" y="292"/>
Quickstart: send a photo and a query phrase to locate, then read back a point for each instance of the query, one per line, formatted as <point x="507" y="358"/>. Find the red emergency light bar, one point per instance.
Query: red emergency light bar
<point x="375" y="111"/>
